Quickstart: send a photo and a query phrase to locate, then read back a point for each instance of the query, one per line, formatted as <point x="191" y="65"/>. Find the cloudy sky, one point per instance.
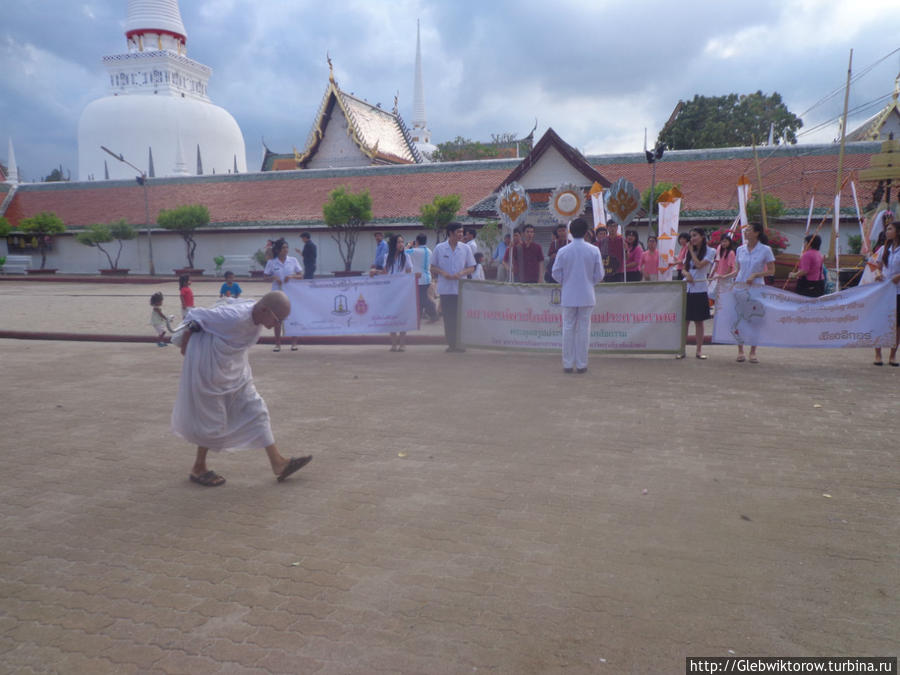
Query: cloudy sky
<point x="597" y="71"/>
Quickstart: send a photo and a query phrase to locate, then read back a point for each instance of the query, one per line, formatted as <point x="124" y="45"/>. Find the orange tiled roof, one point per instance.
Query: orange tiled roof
<point x="708" y="180"/>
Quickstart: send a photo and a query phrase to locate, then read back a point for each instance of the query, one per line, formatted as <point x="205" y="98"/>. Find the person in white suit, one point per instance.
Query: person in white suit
<point x="578" y="266"/>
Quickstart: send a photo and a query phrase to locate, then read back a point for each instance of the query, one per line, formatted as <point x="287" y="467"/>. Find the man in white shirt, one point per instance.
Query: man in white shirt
<point x="578" y="267"/>
<point x="452" y="261"/>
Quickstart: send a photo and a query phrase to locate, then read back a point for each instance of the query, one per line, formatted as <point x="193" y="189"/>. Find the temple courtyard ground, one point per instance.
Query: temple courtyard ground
<point x="463" y="512"/>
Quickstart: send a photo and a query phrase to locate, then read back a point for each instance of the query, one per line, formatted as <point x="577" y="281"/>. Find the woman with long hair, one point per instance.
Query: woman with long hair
<point x="753" y="262"/>
<point x="889" y="270"/>
<point x="809" y="276"/>
<point x="698" y="262"/>
<point x="280" y="269"/>
<point x="633" y="255"/>
<point x="397" y="262"/>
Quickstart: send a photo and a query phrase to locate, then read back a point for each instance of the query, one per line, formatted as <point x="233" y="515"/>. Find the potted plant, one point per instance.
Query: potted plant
<point x="42" y="227"/>
<point x="219" y="260"/>
<point x="98" y="234"/>
<point x="260" y="258"/>
<point x="346" y="214"/>
<point x="185" y="220"/>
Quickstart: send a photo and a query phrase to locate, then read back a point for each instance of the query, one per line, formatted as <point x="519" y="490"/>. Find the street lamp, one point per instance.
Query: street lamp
<point x="141" y="179"/>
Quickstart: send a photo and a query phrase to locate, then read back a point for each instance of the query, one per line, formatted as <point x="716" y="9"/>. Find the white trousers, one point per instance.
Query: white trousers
<point x="576" y="335"/>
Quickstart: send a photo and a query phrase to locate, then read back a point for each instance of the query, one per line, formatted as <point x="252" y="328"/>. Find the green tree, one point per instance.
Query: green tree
<point x="346" y="213"/>
<point x="98" y="234"/>
<point x="463" y="149"/>
<point x="658" y="189"/>
<point x="490" y="235"/>
<point x="774" y="208"/>
<point x="185" y="220"/>
<point x="439" y="212"/>
<point x="57" y="176"/>
<point x="729" y="121"/>
<point x="43" y="226"/>
<point x="5" y="226"/>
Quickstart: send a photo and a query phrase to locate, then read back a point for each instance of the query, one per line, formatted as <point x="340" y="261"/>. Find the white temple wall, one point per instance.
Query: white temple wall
<point x="68" y="256"/>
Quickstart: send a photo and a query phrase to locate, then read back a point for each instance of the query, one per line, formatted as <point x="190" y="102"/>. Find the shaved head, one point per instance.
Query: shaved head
<point x="278" y="305"/>
<point x="278" y="302"/>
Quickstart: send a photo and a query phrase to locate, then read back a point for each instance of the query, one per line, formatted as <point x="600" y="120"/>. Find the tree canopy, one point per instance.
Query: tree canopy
<point x="465" y="149"/>
<point x="439" y="212"/>
<point x="43" y="226"/>
<point x="729" y="121"/>
<point x="98" y="234"/>
<point x="185" y="220"/>
<point x="346" y="213"/>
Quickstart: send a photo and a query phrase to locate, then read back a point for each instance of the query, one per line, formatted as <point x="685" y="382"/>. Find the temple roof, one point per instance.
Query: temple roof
<point x="708" y="179"/>
<point x="380" y="134"/>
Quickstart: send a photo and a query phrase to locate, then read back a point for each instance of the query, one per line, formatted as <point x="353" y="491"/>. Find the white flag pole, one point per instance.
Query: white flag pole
<point x="837" y="240"/>
<point x="809" y="215"/>
<point x="862" y="230"/>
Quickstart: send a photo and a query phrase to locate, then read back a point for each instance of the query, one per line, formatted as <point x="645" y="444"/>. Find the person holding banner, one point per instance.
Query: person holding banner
<point x="396" y="262"/>
<point x="753" y="262"/>
<point x="889" y="269"/>
<point x="280" y="270"/>
<point x="616" y="248"/>
<point x="578" y="267"/>
<point x="650" y="260"/>
<point x="697" y="264"/>
<point x="451" y="262"/>
<point x="633" y="254"/>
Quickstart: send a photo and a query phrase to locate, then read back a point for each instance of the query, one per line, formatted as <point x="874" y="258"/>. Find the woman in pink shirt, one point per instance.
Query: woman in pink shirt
<point x="650" y="261"/>
<point x="633" y="255"/>
<point x="683" y="240"/>
<point x="810" y="280"/>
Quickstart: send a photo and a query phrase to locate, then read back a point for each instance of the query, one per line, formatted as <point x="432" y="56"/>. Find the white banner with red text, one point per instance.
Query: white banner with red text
<point x="861" y="316"/>
<point x="635" y="317"/>
<point x="386" y="303"/>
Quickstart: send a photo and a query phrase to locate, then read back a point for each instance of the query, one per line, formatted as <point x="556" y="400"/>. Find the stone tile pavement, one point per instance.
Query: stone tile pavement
<point x="463" y="513"/>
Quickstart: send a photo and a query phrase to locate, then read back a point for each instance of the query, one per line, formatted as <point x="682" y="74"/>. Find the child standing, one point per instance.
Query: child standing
<point x="159" y="320"/>
<point x="187" y="295"/>
<point x="229" y="289"/>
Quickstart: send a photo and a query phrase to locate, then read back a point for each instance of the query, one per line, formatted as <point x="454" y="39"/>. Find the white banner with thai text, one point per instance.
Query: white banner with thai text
<point x="861" y="316"/>
<point x="635" y="317"/>
<point x="386" y="303"/>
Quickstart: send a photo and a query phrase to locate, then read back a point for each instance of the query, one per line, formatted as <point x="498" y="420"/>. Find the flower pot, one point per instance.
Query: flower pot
<point x="118" y="272"/>
<point x="190" y="271"/>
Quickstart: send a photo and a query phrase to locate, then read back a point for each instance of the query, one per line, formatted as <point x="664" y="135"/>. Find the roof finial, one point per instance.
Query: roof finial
<point x="330" y="68"/>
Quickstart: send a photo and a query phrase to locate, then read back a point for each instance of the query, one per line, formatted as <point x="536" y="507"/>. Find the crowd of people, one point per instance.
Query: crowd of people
<point x="218" y="407"/>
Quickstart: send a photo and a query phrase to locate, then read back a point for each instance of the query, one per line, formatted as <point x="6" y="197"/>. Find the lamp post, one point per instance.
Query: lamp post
<point x="652" y="156"/>
<point x="141" y="179"/>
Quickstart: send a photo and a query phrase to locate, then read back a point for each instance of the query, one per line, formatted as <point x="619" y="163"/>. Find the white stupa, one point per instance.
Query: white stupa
<point x="157" y="114"/>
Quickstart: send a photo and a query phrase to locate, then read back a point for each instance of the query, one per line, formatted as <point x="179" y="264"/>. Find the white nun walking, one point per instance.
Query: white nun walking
<point x="578" y="267"/>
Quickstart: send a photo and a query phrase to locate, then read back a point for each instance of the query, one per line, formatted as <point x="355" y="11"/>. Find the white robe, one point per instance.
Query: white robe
<point x="217" y="406"/>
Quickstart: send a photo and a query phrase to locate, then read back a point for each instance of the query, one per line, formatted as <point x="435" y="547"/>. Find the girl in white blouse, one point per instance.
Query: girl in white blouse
<point x="754" y="261"/>
<point x="889" y="270"/>
<point x="397" y="262"/>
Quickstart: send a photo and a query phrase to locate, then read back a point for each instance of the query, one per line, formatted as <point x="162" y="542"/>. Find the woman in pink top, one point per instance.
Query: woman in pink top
<point x="633" y="254"/>
<point x="810" y="280"/>
<point x="724" y="258"/>
<point x="683" y="240"/>
<point x="650" y="261"/>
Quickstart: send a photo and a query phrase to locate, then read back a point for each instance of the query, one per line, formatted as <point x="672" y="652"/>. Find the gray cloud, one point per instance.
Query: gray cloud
<point x="598" y="72"/>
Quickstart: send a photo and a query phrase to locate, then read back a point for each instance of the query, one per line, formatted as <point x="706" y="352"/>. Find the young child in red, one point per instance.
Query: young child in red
<point x="187" y="295"/>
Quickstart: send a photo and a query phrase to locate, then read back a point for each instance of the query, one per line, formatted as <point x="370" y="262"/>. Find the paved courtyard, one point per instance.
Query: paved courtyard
<point x="463" y="512"/>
